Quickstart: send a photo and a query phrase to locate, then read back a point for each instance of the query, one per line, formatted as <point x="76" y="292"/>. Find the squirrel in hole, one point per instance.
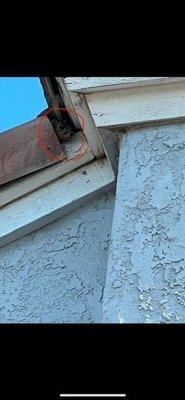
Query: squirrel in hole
<point x="63" y="128"/>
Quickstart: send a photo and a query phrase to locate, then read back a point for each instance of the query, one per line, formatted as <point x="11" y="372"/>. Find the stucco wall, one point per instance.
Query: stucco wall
<point x="57" y="273"/>
<point x="146" y="268"/>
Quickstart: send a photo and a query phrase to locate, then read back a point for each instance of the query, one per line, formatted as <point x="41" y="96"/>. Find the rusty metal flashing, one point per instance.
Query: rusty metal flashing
<point x="20" y="153"/>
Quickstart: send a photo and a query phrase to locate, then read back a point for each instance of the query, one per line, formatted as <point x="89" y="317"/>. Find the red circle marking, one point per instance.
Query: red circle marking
<point x="41" y="142"/>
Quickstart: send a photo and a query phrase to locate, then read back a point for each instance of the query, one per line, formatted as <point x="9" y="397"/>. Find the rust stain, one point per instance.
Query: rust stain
<point x="20" y="153"/>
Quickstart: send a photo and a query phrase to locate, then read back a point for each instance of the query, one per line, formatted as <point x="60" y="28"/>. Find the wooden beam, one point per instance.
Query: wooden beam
<point x="20" y="153"/>
<point x="23" y="186"/>
<point x="137" y="105"/>
<point x="90" y="130"/>
<point x="55" y="200"/>
<point x="94" y="84"/>
<point x="68" y="102"/>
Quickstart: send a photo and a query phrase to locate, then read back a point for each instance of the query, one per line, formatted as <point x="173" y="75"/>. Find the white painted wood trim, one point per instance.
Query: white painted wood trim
<point x="93" y="84"/>
<point x="26" y="185"/>
<point x="55" y="200"/>
<point x="67" y="101"/>
<point x="138" y="105"/>
<point x="82" y="117"/>
<point x="90" y="130"/>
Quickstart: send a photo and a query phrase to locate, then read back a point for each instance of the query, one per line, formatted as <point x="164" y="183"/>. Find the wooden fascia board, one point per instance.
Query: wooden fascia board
<point x="137" y="105"/>
<point x="96" y="84"/>
<point x="59" y="198"/>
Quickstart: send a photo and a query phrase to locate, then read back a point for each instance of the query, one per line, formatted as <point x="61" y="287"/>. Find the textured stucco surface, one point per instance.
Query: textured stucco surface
<point x="57" y="273"/>
<point x="146" y="268"/>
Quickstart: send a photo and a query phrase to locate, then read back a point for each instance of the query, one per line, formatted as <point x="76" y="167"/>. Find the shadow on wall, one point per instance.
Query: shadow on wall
<point x="57" y="273"/>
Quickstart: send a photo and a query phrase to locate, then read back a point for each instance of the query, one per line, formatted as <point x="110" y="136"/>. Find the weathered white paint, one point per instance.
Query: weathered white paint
<point x="146" y="269"/>
<point x="57" y="274"/>
<point x="137" y="105"/>
<point x="23" y="186"/>
<point x="55" y="200"/>
<point x="67" y="101"/>
<point x="93" y="84"/>
<point x="90" y="130"/>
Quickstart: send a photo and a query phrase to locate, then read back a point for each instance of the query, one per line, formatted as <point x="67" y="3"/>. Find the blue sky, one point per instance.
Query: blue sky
<point x="21" y="100"/>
